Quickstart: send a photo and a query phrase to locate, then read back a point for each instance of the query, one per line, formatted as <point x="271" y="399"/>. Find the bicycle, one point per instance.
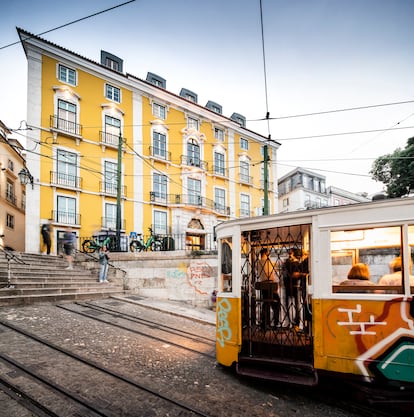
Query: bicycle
<point x="153" y="243"/>
<point x="93" y="245"/>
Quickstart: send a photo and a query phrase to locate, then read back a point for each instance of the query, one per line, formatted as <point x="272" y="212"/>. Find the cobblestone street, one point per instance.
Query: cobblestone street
<point x="169" y="356"/>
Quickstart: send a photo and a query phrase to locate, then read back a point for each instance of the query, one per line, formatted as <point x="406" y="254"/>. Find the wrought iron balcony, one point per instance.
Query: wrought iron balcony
<point x="220" y="170"/>
<point x="65" y="126"/>
<point x="66" y="217"/>
<point x="110" y="223"/>
<point x="194" y="162"/>
<point x="159" y="153"/>
<point x="10" y="197"/>
<point x="65" y="180"/>
<point x="110" y="140"/>
<point x="246" y="179"/>
<point x="111" y="189"/>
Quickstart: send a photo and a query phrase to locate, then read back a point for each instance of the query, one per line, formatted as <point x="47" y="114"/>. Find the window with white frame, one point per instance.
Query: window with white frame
<point x="244" y="144"/>
<point x="194" y="191"/>
<point x="160" y="222"/>
<point x="67" y="117"/>
<point x="244" y="205"/>
<point x="110" y="177"/>
<point x="158" y="111"/>
<point x="10" y="194"/>
<point x="220" y="199"/>
<point x="112" y="93"/>
<point x="193" y="123"/>
<point x="219" y="166"/>
<point x="66" y="75"/>
<point x="110" y="216"/>
<point x="159" y="186"/>
<point x="159" y="144"/>
<point x="193" y="153"/>
<point x="244" y="171"/>
<point x="219" y="134"/>
<point x="66" y="168"/>
<point x="66" y="210"/>
<point x="112" y="130"/>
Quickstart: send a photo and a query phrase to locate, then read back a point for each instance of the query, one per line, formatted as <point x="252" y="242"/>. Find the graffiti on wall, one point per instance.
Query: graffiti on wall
<point x="200" y="277"/>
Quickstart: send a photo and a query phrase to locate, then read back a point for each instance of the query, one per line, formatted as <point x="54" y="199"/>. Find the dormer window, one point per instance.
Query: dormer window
<point x="111" y="61"/>
<point x="238" y="118"/>
<point x="211" y="105"/>
<point x="188" y="95"/>
<point x="156" y="80"/>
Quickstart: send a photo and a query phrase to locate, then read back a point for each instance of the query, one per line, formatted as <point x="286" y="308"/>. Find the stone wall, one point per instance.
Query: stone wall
<point x="172" y="275"/>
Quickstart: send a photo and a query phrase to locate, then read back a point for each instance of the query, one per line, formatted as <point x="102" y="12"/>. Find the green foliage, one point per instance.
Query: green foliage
<point x="396" y="170"/>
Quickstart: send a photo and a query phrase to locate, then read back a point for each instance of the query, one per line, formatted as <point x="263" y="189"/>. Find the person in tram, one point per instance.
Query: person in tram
<point x="358" y="275"/>
<point x="395" y="277"/>
<point x="269" y="289"/>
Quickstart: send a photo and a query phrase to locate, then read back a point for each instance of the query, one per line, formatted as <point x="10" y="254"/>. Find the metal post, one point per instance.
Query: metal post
<point x="118" y="195"/>
<point x="266" y="181"/>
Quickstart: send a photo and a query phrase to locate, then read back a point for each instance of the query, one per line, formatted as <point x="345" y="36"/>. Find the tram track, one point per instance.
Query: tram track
<point x="135" y="394"/>
<point x="186" y="340"/>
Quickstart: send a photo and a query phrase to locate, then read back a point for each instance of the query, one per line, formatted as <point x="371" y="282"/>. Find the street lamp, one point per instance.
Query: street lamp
<point x="25" y="177"/>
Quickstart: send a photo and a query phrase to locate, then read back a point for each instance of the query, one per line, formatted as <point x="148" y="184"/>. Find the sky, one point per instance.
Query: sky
<point x="315" y="56"/>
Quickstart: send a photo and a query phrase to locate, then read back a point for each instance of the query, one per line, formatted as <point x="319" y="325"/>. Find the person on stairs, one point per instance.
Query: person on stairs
<point x="68" y="246"/>
<point x="103" y="261"/>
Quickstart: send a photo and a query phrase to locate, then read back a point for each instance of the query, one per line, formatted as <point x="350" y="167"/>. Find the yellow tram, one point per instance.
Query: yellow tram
<point x="297" y="323"/>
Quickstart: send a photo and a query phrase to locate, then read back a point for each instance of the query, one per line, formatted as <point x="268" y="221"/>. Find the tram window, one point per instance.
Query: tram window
<point x="361" y="258"/>
<point x="411" y="246"/>
<point x="226" y="265"/>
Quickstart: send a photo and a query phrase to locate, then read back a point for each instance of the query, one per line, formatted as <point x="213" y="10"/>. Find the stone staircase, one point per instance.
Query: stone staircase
<point x="31" y="278"/>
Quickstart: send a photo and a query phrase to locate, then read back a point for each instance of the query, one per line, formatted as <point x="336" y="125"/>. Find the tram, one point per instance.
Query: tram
<point x="299" y="324"/>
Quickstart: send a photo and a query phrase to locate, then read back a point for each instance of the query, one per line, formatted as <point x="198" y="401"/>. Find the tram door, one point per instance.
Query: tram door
<point x="276" y="306"/>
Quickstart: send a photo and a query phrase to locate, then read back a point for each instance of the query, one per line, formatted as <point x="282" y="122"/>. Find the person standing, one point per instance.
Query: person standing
<point x="46" y="235"/>
<point x="68" y="246"/>
<point x="103" y="262"/>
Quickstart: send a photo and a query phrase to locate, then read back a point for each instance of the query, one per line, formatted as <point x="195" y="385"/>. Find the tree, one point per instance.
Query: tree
<point x="396" y="170"/>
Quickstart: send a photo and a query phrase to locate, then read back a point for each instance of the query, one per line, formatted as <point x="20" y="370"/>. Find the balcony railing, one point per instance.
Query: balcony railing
<point x="159" y="153"/>
<point x="194" y="162"/>
<point x="65" y="126"/>
<point x="246" y="179"/>
<point x="189" y="200"/>
<point x="110" y="139"/>
<point x="65" y="180"/>
<point x="66" y="217"/>
<point x="110" y="223"/>
<point x="109" y="188"/>
<point x="269" y="184"/>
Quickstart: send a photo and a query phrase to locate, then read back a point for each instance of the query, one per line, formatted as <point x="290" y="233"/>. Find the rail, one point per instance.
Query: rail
<point x="10" y="256"/>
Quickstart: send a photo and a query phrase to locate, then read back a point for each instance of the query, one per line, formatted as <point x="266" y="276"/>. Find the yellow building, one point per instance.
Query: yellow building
<point x="183" y="167"/>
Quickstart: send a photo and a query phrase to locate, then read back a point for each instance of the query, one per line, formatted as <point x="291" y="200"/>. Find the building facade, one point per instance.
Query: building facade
<point x="116" y="152"/>
<point x="301" y="189"/>
<point x="12" y="192"/>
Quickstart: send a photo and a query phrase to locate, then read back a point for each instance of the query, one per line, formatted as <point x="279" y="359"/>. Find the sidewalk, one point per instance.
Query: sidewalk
<point x="177" y="308"/>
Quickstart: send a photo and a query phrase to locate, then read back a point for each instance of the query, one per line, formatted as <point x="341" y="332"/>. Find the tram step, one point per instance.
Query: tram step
<point x="293" y="372"/>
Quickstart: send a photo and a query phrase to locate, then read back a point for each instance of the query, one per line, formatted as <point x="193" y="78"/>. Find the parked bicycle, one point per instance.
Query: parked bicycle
<point x="153" y="243"/>
<point x="93" y="245"/>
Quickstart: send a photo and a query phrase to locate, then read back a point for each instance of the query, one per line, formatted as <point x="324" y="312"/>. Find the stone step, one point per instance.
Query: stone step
<point x="57" y="290"/>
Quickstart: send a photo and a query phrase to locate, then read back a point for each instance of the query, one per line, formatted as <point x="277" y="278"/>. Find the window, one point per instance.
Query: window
<point x="381" y="250"/>
<point x="66" y="210"/>
<point x="66" y="75"/>
<point x="9" y="221"/>
<point x="67" y="117"/>
<point x="285" y="202"/>
<point x="194" y="191"/>
<point x="66" y="168"/>
<point x="219" y="134"/>
<point x="112" y="64"/>
<point x="220" y="199"/>
<point x="112" y="130"/>
<point x="158" y="111"/>
<point x="110" y="178"/>
<point x="10" y="195"/>
<point x="159" y="143"/>
<point x="159" y="186"/>
<point x="244" y="171"/>
<point x="244" y="144"/>
<point x="219" y="167"/>
<point x="226" y="264"/>
<point x="110" y="216"/>
<point x="244" y="205"/>
<point x="193" y="153"/>
<point x="112" y="93"/>
<point x="193" y="123"/>
<point x="160" y="222"/>
<point x="10" y="165"/>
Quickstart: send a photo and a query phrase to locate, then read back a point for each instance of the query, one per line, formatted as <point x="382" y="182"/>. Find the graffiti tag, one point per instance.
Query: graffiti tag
<point x="223" y="329"/>
<point x="360" y="325"/>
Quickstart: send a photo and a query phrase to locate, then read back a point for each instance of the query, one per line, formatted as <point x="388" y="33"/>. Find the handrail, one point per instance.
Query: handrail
<point x="95" y="258"/>
<point x="10" y="256"/>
